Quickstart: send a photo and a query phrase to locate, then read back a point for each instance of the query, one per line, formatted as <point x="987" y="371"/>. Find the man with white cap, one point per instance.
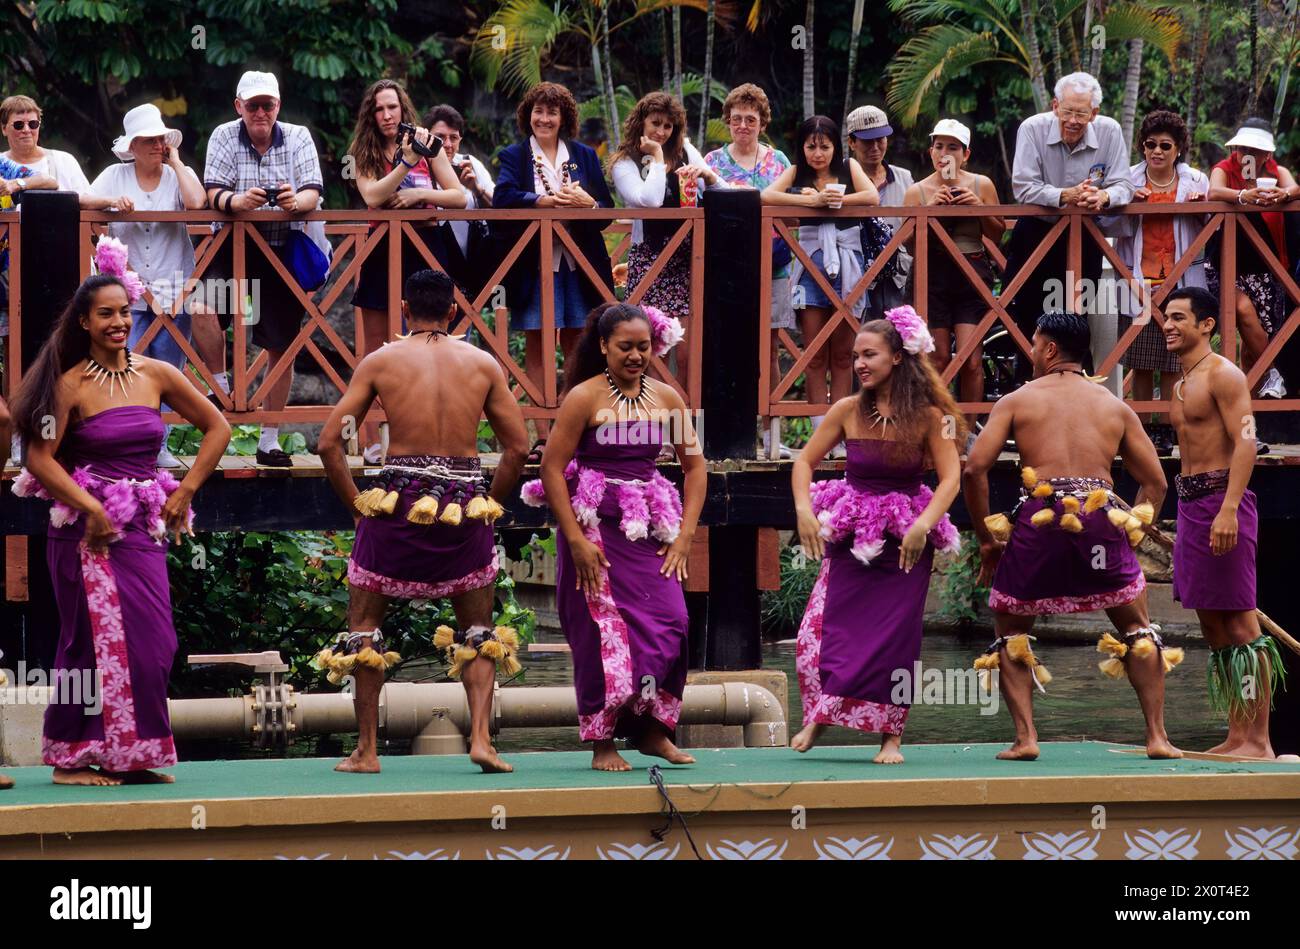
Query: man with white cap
<point x="152" y="177"/>
<point x="1067" y="157"/>
<point x="954" y="308"/>
<point x="868" y="130"/>
<point x="1251" y="176"/>
<point x="254" y="162"/>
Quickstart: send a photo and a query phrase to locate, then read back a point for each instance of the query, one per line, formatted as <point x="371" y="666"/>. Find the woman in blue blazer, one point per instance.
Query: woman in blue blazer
<point x="549" y="169"/>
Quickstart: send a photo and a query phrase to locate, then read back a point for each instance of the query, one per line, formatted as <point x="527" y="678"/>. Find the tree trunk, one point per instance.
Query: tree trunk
<point x="1131" y="81"/>
<point x="1076" y="65"/>
<point x="1252" y="96"/>
<point x="1030" y="29"/>
<point x="700" y="141"/>
<point x="809" y="105"/>
<point x="663" y="42"/>
<point x="677" y="53"/>
<point x="1095" y="13"/>
<point x="1201" y="48"/>
<point x="854" y="38"/>
<point x="1047" y="11"/>
<point x="611" y="107"/>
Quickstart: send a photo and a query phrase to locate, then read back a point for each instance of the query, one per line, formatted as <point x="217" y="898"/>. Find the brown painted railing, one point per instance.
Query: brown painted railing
<point x="354" y="241"/>
<point x="922" y="229"/>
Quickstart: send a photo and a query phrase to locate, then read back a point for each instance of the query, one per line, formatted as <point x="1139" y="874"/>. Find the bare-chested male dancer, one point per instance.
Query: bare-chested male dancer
<point x="1214" y="553"/>
<point x="426" y="527"/>
<point x="1065" y="552"/>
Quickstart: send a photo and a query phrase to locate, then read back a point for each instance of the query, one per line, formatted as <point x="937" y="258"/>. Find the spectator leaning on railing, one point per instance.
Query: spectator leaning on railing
<point x="953" y="308"/>
<point x="1251" y="176"/>
<point x="656" y="167"/>
<point x="152" y="177"/>
<point x="245" y="158"/>
<point x="396" y="177"/>
<point x="22" y="118"/>
<point x="1068" y="157"/>
<point x="1151" y="245"/>
<point x="749" y="163"/>
<point x="549" y="168"/>
<point x="469" y="255"/>
<point x="868" y="130"/>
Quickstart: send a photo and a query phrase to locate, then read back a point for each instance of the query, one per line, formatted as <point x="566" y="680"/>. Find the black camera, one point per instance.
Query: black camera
<point x="272" y="193"/>
<point x="406" y="133"/>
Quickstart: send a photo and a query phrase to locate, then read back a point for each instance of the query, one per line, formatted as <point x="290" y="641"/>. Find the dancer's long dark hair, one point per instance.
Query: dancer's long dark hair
<point x="804" y="176"/>
<point x="586" y="359"/>
<point x="914" y="386"/>
<point x="68" y="344"/>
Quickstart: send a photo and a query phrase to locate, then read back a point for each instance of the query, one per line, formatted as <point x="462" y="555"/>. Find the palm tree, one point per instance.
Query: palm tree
<point x="1252" y="95"/>
<point x="963" y="34"/>
<point x="855" y="34"/>
<point x="1200" y="50"/>
<point x="1030" y="30"/>
<point x="809" y="107"/>
<point x="509" y="50"/>
<point x="708" y="76"/>
<point x="677" y="53"/>
<point x="1131" y="79"/>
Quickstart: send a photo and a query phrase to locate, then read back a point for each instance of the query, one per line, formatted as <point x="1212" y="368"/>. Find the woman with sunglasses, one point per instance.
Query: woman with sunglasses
<point x="20" y="118"/>
<point x="1151" y="244"/>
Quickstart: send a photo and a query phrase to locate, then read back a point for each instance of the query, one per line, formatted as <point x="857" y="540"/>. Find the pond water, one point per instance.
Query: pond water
<point x="1080" y="702"/>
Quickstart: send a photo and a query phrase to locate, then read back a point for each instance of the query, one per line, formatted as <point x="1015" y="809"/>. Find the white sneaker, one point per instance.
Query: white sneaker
<point x="1273" y="387"/>
<point x="166" y="459"/>
<point x="373" y="454"/>
<point x="838" y="453"/>
<point x="785" y="451"/>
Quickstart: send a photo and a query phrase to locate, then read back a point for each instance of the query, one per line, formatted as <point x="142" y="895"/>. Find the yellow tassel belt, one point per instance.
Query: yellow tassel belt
<point x="445" y="495"/>
<point x="1077" y="496"/>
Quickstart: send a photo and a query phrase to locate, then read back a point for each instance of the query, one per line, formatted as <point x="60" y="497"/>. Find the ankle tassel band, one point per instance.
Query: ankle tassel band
<point x="1018" y="650"/>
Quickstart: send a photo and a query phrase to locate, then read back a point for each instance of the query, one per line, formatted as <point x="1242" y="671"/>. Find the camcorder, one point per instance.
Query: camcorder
<point x="406" y="134"/>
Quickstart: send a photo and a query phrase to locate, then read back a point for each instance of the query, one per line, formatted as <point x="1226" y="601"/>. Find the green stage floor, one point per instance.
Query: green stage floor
<point x="560" y="770"/>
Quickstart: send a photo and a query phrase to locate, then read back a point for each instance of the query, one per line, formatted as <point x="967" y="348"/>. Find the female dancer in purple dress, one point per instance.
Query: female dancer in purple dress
<point x="878" y="529"/>
<point x="88" y="412"/>
<point x="623" y="537"/>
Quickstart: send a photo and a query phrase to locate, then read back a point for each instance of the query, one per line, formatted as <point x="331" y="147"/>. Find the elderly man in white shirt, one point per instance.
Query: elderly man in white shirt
<point x="1069" y="156"/>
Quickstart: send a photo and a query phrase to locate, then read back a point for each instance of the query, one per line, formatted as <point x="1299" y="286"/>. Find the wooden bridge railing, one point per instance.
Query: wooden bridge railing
<point x="354" y="242"/>
<point x="922" y="229"/>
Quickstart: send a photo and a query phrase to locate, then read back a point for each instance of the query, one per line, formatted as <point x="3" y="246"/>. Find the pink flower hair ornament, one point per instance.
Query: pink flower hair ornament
<point x="110" y="259"/>
<point x="665" y="331"/>
<point x="916" y="335"/>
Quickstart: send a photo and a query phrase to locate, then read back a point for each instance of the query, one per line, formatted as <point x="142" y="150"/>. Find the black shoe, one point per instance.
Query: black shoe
<point x="275" y="458"/>
<point x="1162" y="437"/>
<point x="1261" y="448"/>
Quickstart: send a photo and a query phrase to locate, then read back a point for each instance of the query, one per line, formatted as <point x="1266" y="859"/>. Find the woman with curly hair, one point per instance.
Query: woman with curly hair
<point x="656" y="167"/>
<point x="548" y="168"/>
<point x="878" y="528"/>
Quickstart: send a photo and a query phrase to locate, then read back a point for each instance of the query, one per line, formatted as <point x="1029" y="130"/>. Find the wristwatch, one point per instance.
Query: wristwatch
<point x="22" y="184"/>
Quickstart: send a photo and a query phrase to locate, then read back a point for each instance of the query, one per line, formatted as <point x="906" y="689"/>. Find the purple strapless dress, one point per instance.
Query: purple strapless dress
<point x="864" y="615"/>
<point x="629" y="642"/>
<point x="116" y="639"/>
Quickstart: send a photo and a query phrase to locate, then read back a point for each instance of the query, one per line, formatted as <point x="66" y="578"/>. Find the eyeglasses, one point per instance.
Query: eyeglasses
<point x="1077" y="116"/>
<point x="267" y="107"/>
<point x="1151" y="145"/>
<point x="32" y="124"/>
<point x="745" y="120"/>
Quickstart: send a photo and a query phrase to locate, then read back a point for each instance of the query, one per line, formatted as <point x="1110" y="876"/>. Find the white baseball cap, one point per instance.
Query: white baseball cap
<point x="253" y="84"/>
<point x="867" y="122"/>
<point x="953" y="129"/>
<point x="144" y="121"/>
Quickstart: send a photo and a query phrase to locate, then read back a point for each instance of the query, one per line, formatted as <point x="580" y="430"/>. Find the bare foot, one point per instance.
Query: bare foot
<point x="142" y="777"/>
<point x="84" y="776"/>
<point x="357" y="763"/>
<point x="659" y="745"/>
<point x="1020" y="751"/>
<point x="891" y="750"/>
<point x="605" y="757"/>
<point x="807" y="737"/>
<point x="1161" y="748"/>
<point x="6" y="782"/>
<point x="486" y="757"/>
<point x="1244" y="749"/>
<point x="1224" y="747"/>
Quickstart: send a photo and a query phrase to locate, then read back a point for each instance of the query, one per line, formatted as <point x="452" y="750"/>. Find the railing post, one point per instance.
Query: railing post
<point x="50" y="262"/>
<point x="728" y="414"/>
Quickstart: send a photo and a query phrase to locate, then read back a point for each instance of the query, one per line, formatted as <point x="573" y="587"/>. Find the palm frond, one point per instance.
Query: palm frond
<point x="508" y="50"/>
<point x="1160" y="29"/>
<point x="928" y="60"/>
